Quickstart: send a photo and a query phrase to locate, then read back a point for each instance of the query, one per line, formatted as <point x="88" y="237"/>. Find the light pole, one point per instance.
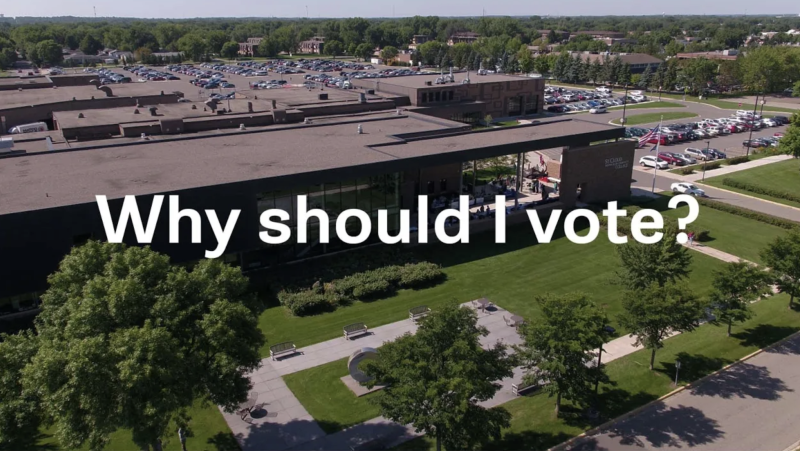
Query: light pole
<point x="677" y="369"/>
<point x="708" y="145"/>
<point x="607" y="330"/>
<point x="750" y="137"/>
<point x="624" y="105"/>
<point x="763" y="101"/>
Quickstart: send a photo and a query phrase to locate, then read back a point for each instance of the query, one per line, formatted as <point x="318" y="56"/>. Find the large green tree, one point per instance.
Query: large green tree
<point x="20" y="408"/>
<point x="653" y="312"/>
<point x="128" y="341"/>
<point x="790" y="143"/>
<point x="230" y="50"/>
<point x="436" y="378"/>
<point x="194" y="46"/>
<point x="389" y="53"/>
<point x="90" y="45"/>
<point x="556" y="352"/>
<point x="736" y="285"/>
<point x="48" y="51"/>
<point x="782" y="256"/>
<point x="333" y="48"/>
<point x="660" y="263"/>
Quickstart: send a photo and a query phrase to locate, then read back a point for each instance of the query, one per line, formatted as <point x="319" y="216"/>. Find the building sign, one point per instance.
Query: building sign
<point x="616" y="163"/>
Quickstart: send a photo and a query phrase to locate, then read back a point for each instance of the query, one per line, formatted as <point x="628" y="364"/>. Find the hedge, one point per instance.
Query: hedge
<point x="753" y="188"/>
<point x="744" y="212"/>
<point x="738" y="160"/>
<point x="363" y="286"/>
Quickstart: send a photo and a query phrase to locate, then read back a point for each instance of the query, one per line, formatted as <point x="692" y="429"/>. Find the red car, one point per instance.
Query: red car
<point x="655" y="140"/>
<point x="670" y="159"/>
<point x="778" y="134"/>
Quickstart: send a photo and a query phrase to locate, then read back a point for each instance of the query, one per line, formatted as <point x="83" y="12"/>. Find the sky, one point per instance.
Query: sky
<point x="386" y="8"/>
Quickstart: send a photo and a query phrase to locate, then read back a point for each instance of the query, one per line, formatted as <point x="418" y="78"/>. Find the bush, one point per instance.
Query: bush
<point x="753" y="188"/>
<point x="373" y="290"/>
<point x="744" y="212"/>
<point x="738" y="160"/>
<point x="713" y="165"/>
<point x="420" y="275"/>
<point x="686" y="171"/>
<point x="306" y="302"/>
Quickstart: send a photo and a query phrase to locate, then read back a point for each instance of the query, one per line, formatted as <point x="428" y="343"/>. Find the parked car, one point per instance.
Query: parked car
<point x="666" y="156"/>
<point x="687" y="159"/>
<point x="717" y="154"/>
<point x="754" y="143"/>
<point x="700" y="154"/>
<point x="687" y="188"/>
<point x="598" y="109"/>
<point x="653" y="162"/>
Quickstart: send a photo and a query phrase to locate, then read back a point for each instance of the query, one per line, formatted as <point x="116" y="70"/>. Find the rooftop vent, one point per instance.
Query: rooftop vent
<point x="362" y="98"/>
<point x="249" y="107"/>
<point x="241" y="127"/>
<point x="322" y="96"/>
<point x="194" y="107"/>
<point x="360" y="130"/>
<point x="428" y="83"/>
<point x="144" y="136"/>
<point x="81" y="116"/>
<point x="153" y="111"/>
<point x="136" y="111"/>
<point x="307" y="120"/>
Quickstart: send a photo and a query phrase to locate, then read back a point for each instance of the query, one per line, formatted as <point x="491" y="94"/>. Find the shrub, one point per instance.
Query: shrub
<point x="744" y="212"/>
<point x="713" y="165"/>
<point x="373" y="289"/>
<point x="306" y="302"/>
<point x="757" y="189"/>
<point x="420" y="275"/>
<point x="738" y="160"/>
<point x="686" y="171"/>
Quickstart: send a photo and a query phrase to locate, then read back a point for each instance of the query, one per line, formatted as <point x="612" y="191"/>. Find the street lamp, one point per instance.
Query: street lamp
<point x="750" y="137"/>
<point x="677" y="369"/>
<point x="624" y="105"/>
<point x="708" y="145"/>
<point x="607" y="331"/>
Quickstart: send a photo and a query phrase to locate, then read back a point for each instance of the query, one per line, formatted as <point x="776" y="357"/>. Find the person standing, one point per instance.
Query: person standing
<point x="691" y="238"/>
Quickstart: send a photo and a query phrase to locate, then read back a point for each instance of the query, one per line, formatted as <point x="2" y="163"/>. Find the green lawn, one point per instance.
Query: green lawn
<point x="509" y="274"/>
<point x="730" y="105"/>
<point x="783" y="176"/>
<point x="648" y="118"/>
<point x="729" y="233"/>
<point x="533" y="425"/>
<point x="207" y="432"/>
<point x="328" y="400"/>
<point x="654" y="104"/>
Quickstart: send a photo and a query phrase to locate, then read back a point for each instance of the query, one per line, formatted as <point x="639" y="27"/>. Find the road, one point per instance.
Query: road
<point x="752" y="406"/>
<point x="643" y="179"/>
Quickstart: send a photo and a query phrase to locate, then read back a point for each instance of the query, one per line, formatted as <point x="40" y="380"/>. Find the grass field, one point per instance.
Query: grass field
<point x="648" y="118"/>
<point x="783" y="176"/>
<point x="207" y="432"/>
<point x="509" y="274"/>
<point x="533" y="425"/>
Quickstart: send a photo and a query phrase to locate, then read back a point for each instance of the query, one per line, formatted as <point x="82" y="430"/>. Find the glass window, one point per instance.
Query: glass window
<point x="443" y="185"/>
<point x="532" y="106"/>
<point x="378" y="194"/>
<point x="450" y="95"/>
<point x="333" y="200"/>
<point x="438" y="96"/>
<point x="424" y="97"/>
<point x="363" y="186"/>
<point x="431" y="187"/>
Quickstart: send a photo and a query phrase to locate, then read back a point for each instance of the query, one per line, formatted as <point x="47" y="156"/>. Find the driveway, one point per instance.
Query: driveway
<point x="751" y="406"/>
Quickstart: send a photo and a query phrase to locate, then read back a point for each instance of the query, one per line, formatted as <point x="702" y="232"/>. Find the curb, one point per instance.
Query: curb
<point x="751" y="197"/>
<point x="566" y="446"/>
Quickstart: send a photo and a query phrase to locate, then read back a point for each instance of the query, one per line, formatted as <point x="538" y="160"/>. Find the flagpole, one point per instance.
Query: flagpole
<point x="658" y="142"/>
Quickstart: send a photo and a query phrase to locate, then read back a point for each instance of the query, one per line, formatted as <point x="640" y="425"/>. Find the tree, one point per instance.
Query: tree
<point x="624" y="74"/>
<point x="653" y="312"/>
<point x="661" y="263"/>
<point x="363" y="51"/>
<point x="193" y="46"/>
<point x="561" y="67"/>
<point x="526" y="61"/>
<point x="436" y="378"/>
<point x="790" y="143"/>
<point x="595" y="71"/>
<point x="48" y="51"/>
<point x="90" y="45"/>
<point x="647" y="75"/>
<point x="268" y="47"/>
<point x="230" y="50"/>
<point x="673" y="48"/>
<point x="796" y="89"/>
<point x="20" y="412"/>
<point x="215" y="40"/>
<point x="782" y="256"/>
<point x="389" y="53"/>
<point x="128" y="341"/>
<point x="552" y="37"/>
<point x="333" y="48"/>
<point x="698" y="73"/>
<point x="557" y="347"/>
<point x="659" y="78"/>
<point x="735" y="287"/>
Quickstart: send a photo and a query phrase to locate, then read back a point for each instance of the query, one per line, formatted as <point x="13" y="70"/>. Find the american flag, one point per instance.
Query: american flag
<point x="646" y="137"/>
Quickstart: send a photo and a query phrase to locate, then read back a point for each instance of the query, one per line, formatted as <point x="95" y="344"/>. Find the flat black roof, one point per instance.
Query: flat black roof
<point x="388" y="143"/>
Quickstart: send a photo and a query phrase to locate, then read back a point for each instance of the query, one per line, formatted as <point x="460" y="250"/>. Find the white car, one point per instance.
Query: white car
<point x="769" y="122"/>
<point x="651" y="161"/>
<point x="687" y="188"/>
<point x="598" y="109"/>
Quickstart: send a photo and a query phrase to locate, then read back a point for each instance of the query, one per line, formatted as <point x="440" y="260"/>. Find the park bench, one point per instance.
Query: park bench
<point x="355" y="329"/>
<point x="286" y="347"/>
<point x="519" y="389"/>
<point x="418" y="312"/>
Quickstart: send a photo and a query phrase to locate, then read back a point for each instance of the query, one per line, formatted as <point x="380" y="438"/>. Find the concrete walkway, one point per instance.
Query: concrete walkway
<point x="716" y="253"/>
<point x="285" y="424"/>
<point x="725" y="170"/>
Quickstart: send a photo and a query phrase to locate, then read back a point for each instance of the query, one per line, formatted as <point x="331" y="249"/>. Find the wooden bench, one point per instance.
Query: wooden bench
<point x="287" y="347"/>
<point x="418" y="312"/>
<point x="355" y="329"/>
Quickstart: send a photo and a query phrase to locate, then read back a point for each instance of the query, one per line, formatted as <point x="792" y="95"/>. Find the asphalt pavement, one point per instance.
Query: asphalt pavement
<point x="751" y="406"/>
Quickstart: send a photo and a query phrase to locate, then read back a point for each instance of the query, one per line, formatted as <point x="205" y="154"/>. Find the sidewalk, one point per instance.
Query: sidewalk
<point x="716" y="253"/>
<point x="725" y="170"/>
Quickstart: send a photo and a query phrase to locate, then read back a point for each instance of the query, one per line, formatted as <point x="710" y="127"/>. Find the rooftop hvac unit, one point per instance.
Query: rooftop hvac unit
<point x="323" y="96"/>
<point x="428" y="83"/>
<point x="6" y="144"/>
